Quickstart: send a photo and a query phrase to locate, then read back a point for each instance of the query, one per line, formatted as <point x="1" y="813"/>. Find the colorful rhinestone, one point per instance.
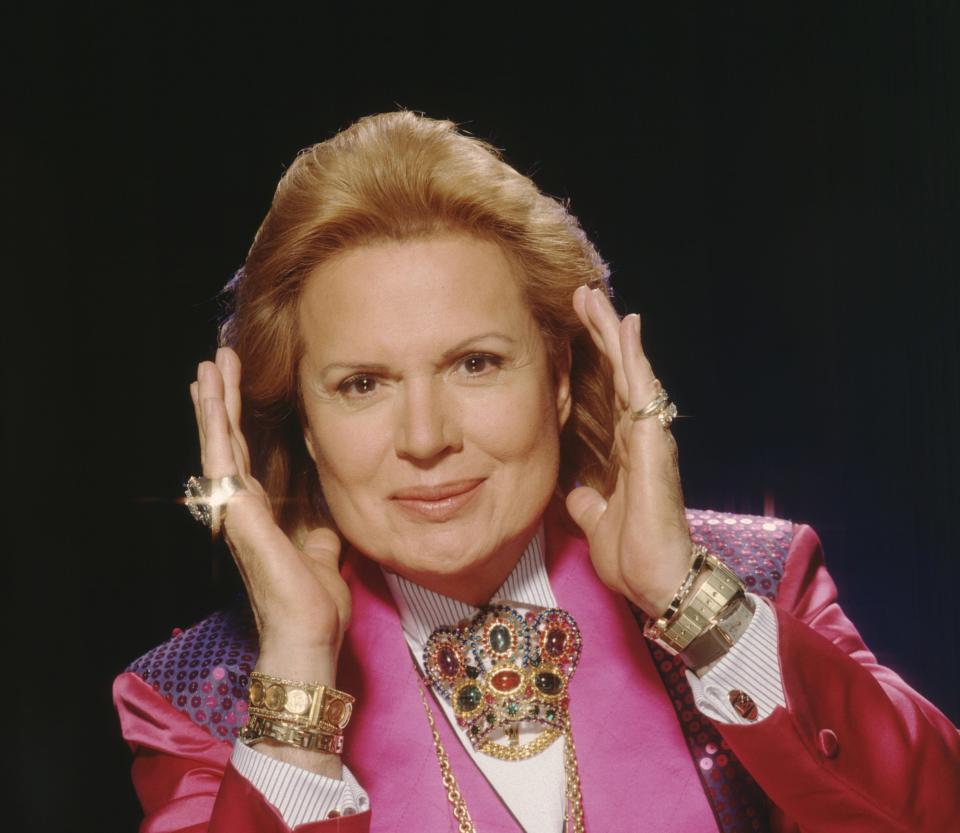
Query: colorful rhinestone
<point x="506" y="680"/>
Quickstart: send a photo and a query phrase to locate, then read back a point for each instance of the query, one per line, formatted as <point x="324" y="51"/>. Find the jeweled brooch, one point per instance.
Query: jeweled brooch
<point x="504" y="668"/>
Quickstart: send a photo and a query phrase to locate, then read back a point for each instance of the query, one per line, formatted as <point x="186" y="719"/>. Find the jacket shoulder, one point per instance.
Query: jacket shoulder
<point x="755" y="547"/>
<point x="203" y="671"/>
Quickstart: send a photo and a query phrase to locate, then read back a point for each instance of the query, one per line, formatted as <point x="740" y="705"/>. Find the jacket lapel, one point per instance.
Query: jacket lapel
<point x="634" y="763"/>
<point x="389" y="745"/>
<point x="635" y="766"/>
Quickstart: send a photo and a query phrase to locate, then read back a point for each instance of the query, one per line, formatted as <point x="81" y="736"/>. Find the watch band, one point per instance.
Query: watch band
<point x="701" y="609"/>
<point x="714" y="642"/>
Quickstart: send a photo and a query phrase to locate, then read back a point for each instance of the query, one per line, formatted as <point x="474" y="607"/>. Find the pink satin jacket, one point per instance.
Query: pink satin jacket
<point x="854" y="750"/>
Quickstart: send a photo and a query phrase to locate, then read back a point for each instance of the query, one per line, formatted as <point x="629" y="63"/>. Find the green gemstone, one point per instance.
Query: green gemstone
<point x="500" y="639"/>
<point x="490" y="717"/>
<point x="551" y="714"/>
<point x="512" y="708"/>
<point x="468" y="698"/>
<point x="474" y="730"/>
<point x="534" y="711"/>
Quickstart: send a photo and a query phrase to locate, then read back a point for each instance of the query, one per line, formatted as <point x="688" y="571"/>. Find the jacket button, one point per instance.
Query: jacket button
<point x="744" y="704"/>
<point x="829" y="745"/>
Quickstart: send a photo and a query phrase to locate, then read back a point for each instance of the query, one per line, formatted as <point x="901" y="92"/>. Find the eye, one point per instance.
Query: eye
<point x="359" y="385"/>
<point x="479" y="363"/>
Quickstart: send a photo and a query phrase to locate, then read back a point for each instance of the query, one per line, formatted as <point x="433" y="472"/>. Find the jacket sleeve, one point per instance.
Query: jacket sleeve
<point x="184" y="779"/>
<point x="855" y="749"/>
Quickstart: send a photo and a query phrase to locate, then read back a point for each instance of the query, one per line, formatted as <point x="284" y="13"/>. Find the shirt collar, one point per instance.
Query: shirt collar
<point x="422" y="611"/>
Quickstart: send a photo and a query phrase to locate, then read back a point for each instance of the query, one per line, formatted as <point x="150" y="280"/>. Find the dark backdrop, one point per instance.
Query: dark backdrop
<point x="774" y="185"/>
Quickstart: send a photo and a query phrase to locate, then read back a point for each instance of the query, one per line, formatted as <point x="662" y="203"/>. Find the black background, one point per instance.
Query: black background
<point x="774" y="185"/>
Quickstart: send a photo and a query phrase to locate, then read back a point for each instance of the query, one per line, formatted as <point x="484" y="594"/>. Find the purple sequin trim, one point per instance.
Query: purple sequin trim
<point x="204" y="671"/>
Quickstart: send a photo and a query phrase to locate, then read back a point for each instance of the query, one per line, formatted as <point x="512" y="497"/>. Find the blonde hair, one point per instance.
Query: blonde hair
<point x="401" y="176"/>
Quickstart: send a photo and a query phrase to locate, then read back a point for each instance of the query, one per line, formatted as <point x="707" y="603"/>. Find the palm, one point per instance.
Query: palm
<point x="639" y="541"/>
<point x="298" y="596"/>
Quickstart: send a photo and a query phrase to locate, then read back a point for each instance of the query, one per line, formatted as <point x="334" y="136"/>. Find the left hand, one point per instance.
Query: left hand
<point x="638" y="535"/>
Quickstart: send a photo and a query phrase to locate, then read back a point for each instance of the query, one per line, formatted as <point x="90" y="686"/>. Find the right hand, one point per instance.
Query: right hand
<point x="300" y="602"/>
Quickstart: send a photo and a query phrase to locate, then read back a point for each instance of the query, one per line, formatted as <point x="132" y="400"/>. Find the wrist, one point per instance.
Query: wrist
<point x="294" y="663"/>
<point x="660" y="592"/>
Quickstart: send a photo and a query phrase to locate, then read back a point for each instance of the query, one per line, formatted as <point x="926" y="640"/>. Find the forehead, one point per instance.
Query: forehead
<point x="394" y="296"/>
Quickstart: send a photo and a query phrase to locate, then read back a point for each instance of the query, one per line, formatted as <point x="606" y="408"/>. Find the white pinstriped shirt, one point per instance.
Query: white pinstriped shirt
<point x="533" y="790"/>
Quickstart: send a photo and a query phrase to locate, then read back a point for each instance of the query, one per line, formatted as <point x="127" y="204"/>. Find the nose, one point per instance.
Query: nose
<point x="427" y="421"/>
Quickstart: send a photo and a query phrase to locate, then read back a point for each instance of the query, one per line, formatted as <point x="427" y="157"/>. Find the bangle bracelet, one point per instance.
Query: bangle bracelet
<point x="697" y="558"/>
<point x="259" y="728"/>
<point x="309" y="706"/>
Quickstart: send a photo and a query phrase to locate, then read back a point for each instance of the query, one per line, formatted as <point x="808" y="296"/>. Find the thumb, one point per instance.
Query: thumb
<point x="586" y="507"/>
<point x="322" y="546"/>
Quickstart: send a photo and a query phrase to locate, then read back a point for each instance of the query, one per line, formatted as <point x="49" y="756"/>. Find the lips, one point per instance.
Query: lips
<point x="437" y="502"/>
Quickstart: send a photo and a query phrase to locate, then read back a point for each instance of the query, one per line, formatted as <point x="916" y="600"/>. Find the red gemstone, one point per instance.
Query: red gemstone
<point x="556" y="642"/>
<point x="448" y="661"/>
<point x="505" y="680"/>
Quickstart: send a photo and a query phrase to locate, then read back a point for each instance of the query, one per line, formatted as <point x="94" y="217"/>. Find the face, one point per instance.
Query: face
<point x="433" y="414"/>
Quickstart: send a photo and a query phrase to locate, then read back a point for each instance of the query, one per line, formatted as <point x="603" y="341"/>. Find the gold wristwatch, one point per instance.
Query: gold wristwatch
<point x="700" y="611"/>
<point x="715" y="641"/>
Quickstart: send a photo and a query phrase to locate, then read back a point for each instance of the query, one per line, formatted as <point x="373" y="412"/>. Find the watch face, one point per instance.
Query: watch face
<point x="275" y="697"/>
<point x="298" y="701"/>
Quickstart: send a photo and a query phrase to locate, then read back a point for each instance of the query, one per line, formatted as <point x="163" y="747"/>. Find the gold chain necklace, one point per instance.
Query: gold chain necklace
<point x="573" y="813"/>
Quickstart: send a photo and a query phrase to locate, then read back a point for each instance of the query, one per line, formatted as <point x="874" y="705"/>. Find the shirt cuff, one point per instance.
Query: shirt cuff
<point x="299" y="795"/>
<point x="752" y="666"/>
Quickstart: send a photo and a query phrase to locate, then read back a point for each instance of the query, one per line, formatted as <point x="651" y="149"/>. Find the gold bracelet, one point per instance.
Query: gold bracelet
<point x="309" y="706"/>
<point x="697" y="558"/>
<point x="700" y="611"/>
<point x="260" y="728"/>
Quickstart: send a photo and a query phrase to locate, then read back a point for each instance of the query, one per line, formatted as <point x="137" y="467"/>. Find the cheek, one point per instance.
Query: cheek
<point x="348" y="452"/>
<point x="517" y="427"/>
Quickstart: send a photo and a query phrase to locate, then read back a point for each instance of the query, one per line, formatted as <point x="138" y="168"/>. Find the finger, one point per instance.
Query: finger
<point x="195" y="398"/>
<point x="605" y="319"/>
<point x="641" y="383"/>
<point x="211" y="386"/>
<point x="580" y="300"/>
<point x="218" y="458"/>
<point x="586" y="507"/>
<point x="228" y="362"/>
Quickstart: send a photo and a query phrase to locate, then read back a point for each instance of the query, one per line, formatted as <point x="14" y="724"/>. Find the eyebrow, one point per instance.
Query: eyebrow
<point x="447" y="354"/>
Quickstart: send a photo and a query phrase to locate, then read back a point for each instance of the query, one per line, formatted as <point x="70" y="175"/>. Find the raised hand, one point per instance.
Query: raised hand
<point x="300" y="602"/>
<point x="638" y="535"/>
